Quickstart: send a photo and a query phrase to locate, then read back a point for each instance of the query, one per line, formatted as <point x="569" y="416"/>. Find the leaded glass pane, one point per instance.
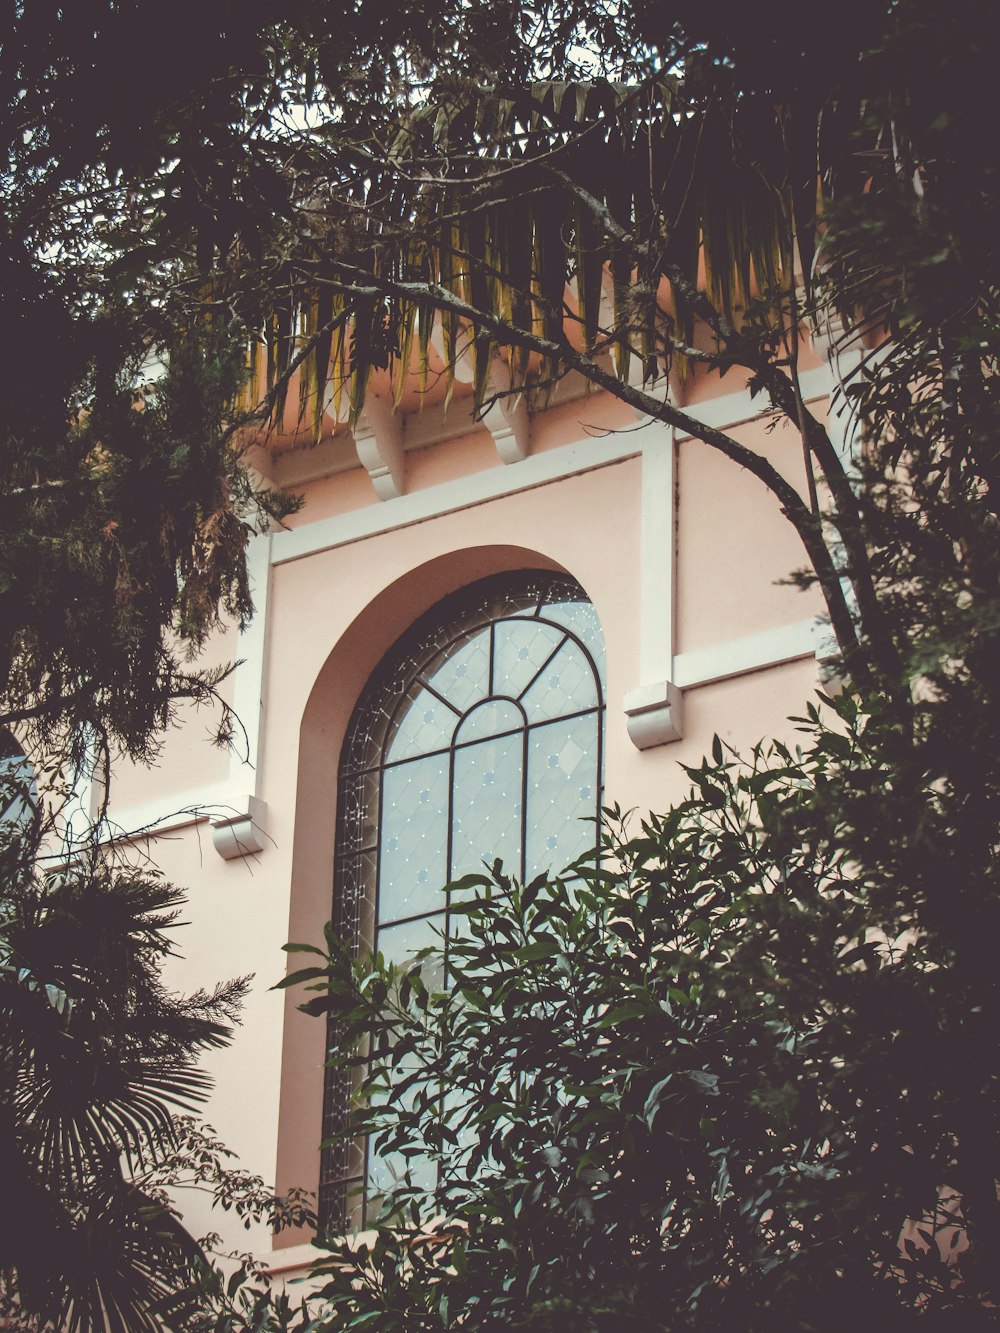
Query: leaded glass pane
<point x="424" y="723"/>
<point x="398" y="944"/>
<point x="562" y="791"/>
<point x="499" y="604"/>
<point x="359" y="820"/>
<point x="565" y="685"/>
<point x="581" y="619"/>
<point x="414" y="840"/>
<point x="463" y="676"/>
<point x="354" y="917"/>
<point x="365" y="742"/>
<point x="521" y="649"/>
<point x="387" y="1170"/>
<point x="492" y="718"/>
<point x="486" y="823"/>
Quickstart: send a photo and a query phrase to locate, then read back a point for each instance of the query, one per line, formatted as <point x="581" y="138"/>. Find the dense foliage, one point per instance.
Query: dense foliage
<point x="741" y="1075"/>
<point x="344" y="192"/>
<point x="124" y="516"/>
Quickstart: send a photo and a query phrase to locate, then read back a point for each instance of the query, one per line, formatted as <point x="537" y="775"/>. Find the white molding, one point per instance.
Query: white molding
<point x="250" y="683"/>
<point x="378" y="437"/>
<point x="653" y="707"/>
<point x="292" y="1259"/>
<point x="240" y="828"/>
<point x="450" y="496"/>
<point x="653" y="712"/>
<point x="538" y="469"/>
<point x="750" y="652"/>
<point x="730" y="410"/>
<point x="653" y="716"/>
<point x="228" y="803"/>
<point x="657" y="545"/>
<point x="195" y="806"/>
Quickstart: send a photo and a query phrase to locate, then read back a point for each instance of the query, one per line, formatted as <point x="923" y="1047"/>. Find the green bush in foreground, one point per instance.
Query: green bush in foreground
<point x="740" y="1075"/>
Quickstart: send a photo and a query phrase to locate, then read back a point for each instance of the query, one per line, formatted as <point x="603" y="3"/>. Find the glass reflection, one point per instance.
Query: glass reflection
<point x="398" y="944"/>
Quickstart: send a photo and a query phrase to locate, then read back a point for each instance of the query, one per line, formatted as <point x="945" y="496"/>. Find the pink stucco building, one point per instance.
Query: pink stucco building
<point x="575" y="505"/>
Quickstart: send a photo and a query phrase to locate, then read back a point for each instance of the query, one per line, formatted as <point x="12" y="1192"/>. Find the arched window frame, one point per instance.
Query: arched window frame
<point x="366" y="757"/>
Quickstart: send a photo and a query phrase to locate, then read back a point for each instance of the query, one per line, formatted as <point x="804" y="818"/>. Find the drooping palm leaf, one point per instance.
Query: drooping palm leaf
<point x="525" y="204"/>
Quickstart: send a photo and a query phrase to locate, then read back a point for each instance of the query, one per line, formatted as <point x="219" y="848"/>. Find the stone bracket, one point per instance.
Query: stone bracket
<point x="654" y="714"/>
<point x="241" y="833"/>
<point x="509" y="422"/>
<point x="378" y="437"/>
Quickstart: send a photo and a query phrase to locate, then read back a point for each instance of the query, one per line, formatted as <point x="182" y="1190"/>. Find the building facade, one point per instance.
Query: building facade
<point x="530" y="547"/>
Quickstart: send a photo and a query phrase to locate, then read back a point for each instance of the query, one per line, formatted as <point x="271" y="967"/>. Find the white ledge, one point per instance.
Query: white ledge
<point x="537" y="469"/>
<point x="654" y="713"/>
<point x="151" y="818"/>
<point x="751" y="652"/>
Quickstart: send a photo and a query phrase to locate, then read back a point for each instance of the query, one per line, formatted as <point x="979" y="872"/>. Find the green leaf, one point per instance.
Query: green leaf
<point x="546" y="947"/>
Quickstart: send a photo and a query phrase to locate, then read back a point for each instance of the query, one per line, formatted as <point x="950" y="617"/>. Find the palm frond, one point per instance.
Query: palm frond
<point x="524" y="204"/>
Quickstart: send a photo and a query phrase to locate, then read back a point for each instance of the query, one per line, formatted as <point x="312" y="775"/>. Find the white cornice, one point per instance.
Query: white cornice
<point x="538" y="469"/>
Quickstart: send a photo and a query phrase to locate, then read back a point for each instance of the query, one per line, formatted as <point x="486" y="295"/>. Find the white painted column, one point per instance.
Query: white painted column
<point x="242" y="831"/>
<point x="653" y="707"/>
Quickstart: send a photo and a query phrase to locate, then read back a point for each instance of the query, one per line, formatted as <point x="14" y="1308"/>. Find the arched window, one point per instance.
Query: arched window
<point x="479" y="737"/>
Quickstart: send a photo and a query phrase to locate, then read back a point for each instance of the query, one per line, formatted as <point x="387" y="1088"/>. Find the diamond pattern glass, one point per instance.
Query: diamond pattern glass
<point x="486" y="804"/>
<point x="580" y="619"/>
<point x="424" y="724"/>
<point x="398" y="944"/>
<point x="520" y="649"/>
<point x="414" y="841"/>
<point x="359" y="811"/>
<point x="492" y="718"/>
<point x="463" y="677"/>
<point x="566" y="685"/>
<point x="562" y="791"/>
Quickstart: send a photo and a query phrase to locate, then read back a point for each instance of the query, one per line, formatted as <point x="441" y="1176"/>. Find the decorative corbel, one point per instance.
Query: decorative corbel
<point x="378" y="437"/>
<point x="241" y="833"/>
<point x="507" y="418"/>
<point x="654" y="714"/>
